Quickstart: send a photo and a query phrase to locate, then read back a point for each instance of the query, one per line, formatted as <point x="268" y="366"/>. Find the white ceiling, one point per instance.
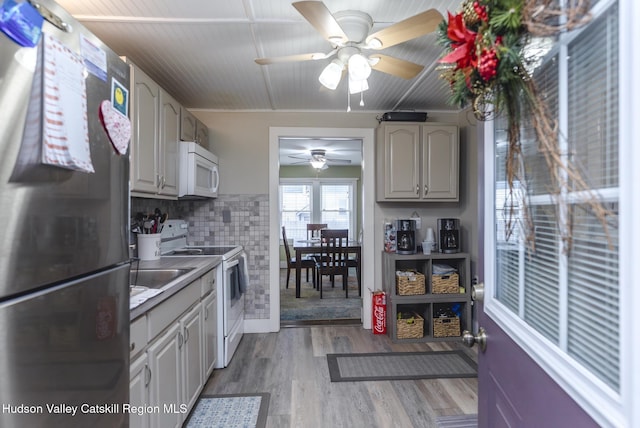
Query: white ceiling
<point x="202" y="52"/>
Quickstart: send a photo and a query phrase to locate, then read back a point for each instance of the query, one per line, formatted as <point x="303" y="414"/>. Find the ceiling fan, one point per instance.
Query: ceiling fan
<point x="318" y="159"/>
<point x="348" y="32"/>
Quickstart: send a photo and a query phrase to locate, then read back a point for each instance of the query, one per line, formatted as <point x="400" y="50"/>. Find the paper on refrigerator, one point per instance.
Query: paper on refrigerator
<point x="65" y="127"/>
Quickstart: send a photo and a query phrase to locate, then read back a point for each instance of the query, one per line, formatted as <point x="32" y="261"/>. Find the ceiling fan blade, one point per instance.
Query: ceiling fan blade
<point x="322" y="20"/>
<point x="410" y="28"/>
<point x="338" y="160"/>
<point x="396" y="67"/>
<point x="292" y="58"/>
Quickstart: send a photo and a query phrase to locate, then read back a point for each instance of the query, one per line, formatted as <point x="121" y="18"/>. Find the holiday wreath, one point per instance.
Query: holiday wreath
<point x="486" y="64"/>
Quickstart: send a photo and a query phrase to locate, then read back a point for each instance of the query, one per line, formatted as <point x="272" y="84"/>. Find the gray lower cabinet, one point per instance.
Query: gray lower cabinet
<point x="442" y="315"/>
<point x="171" y="355"/>
<point x="210" y="332"/>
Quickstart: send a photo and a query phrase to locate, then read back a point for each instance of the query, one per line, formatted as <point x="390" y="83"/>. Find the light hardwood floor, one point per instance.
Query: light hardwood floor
<point x="291" y="365"/>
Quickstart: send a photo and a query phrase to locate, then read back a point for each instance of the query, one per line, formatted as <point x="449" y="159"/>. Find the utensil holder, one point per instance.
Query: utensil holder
<point x="148" y="246"/>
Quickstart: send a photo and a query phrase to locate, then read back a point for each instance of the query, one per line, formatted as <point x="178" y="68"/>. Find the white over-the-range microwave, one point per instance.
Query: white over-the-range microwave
<point x="199" y="176"/>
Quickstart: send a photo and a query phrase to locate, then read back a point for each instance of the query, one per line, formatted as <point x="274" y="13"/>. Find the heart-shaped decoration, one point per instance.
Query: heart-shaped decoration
<point x="117" y="125"/>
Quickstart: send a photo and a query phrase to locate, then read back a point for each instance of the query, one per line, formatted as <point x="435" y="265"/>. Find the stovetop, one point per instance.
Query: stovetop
<point x="174" y="243"/>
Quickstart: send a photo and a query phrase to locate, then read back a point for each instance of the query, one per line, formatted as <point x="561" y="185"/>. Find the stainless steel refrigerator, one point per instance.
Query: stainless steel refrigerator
<point x="64" y="263"/>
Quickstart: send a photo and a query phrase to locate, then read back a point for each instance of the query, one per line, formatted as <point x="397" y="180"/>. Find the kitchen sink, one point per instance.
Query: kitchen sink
<point x="154" y="278"/>
<point x="134" y="290"/>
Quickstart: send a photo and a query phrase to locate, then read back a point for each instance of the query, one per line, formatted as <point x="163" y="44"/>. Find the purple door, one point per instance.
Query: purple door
<point x="513" y="390"/>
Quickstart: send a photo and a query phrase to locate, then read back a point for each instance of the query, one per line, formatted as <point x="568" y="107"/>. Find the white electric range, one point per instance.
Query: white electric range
<point x="231" y="281"/>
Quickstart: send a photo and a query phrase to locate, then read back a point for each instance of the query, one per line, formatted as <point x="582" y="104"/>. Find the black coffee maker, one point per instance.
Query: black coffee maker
<point x="449" y="235"/>
<point x="406" y="236"/>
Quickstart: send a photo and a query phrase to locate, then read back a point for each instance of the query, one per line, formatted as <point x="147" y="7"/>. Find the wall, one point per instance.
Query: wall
<point x="241" y="141"/>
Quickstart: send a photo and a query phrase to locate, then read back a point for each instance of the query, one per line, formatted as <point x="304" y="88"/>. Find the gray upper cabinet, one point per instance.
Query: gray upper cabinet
<point x="187" y="125"/>
<point x="169" y="137"/>
<point x="191" y="129"/>
<point x="417" y="162"/>
<point x="202" y="134"/>
<point x="145" y="101"/>
<point x="154" y="144"/>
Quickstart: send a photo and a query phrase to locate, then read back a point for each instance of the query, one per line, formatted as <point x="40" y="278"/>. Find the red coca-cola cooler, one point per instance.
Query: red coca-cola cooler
<point x="379" y="309"/>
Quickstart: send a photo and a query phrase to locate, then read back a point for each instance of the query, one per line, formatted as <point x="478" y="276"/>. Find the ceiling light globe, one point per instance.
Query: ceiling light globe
<point x="374" y="44"/>
<point x="330" y="76"/>
<point x="317" y="163"/>
<point x="359" y="68"/>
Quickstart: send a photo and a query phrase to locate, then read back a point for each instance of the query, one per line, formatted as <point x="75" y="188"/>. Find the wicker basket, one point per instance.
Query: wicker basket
<point x="410" y="285"/>
<point x="445" y="284"/>
<point x="410" y="328"/>
<point x="446" y="327"/>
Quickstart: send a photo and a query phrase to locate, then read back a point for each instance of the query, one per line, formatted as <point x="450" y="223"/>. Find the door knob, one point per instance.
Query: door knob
<point x="477" y="292"/>
<point x="481" y="338"/>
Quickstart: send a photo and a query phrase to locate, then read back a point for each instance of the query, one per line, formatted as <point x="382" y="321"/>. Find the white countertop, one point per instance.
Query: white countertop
<point x="200" y="265"/>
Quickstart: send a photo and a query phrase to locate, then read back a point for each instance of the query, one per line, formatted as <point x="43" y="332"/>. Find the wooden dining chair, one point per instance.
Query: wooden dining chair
<point x="291" y="262"/>
<point x="332" y="259"/>
<point x="313" y="230"/>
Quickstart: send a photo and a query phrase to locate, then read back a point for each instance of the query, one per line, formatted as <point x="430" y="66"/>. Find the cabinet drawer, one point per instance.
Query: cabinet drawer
<point x="138" y="335"/>
<point x="208" y="282"/>
<point x="168" y="311"/>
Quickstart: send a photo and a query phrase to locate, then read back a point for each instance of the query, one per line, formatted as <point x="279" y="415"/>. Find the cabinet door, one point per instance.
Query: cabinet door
<point x="145" y="120"/>
<point x="210" y="334"/>
<point x="165" y="388"/>
<point x="187" y="125"/>
<point x="440" y="153"/>
<point x="202" y="134"/>
<point x="401" y="162"/>
<point x="193" y="377"/>
<point x="139" y="391"/>
<point x="168" y="145"/>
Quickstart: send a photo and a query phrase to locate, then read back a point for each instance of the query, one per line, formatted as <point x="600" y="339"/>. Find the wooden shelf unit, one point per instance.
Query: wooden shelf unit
<point x="428" y="304"/>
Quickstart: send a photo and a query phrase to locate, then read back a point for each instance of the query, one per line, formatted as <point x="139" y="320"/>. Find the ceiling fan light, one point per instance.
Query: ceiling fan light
<point x="374" y="44"/>
<point x="374" y="60"/>
<point x="359" y="68"/>
<point x="330" y="76"/>
<point x="318" y="163"/>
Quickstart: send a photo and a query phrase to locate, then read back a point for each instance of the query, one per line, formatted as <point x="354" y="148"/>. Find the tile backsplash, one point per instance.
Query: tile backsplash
<point x="227" y="220"/>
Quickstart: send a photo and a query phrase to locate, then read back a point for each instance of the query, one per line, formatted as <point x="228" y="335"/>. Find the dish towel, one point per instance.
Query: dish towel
<point x="244" y="272"/>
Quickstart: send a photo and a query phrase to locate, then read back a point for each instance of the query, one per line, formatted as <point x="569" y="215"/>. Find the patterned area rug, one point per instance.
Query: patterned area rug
<point x="230" y="411"/>
<point x="309" y="306"/>
<point x="458" y="421"/>
<point x="400" y="366"/>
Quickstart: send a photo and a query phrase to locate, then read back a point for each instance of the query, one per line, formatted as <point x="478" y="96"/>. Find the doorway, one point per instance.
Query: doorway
<point x="366" y="136"/>
<point x="320" y="183"/>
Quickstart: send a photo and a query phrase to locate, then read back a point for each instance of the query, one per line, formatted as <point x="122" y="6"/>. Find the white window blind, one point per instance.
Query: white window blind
<point x="572" y="299"/>
<point x="330" y="200"/>
<point x="592" y="330"/>
<point x="295" y="209"/>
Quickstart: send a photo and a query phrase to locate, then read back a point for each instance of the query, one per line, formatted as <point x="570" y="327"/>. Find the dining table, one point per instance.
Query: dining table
<point x="312" y="246"/>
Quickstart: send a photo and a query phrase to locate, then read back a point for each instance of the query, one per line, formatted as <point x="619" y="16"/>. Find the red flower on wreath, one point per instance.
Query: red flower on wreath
<point x="463" y="44"/>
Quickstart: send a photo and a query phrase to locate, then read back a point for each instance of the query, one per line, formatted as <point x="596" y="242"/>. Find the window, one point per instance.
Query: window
<point x="570" y="300"/>
<point x="330" y="201"/>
